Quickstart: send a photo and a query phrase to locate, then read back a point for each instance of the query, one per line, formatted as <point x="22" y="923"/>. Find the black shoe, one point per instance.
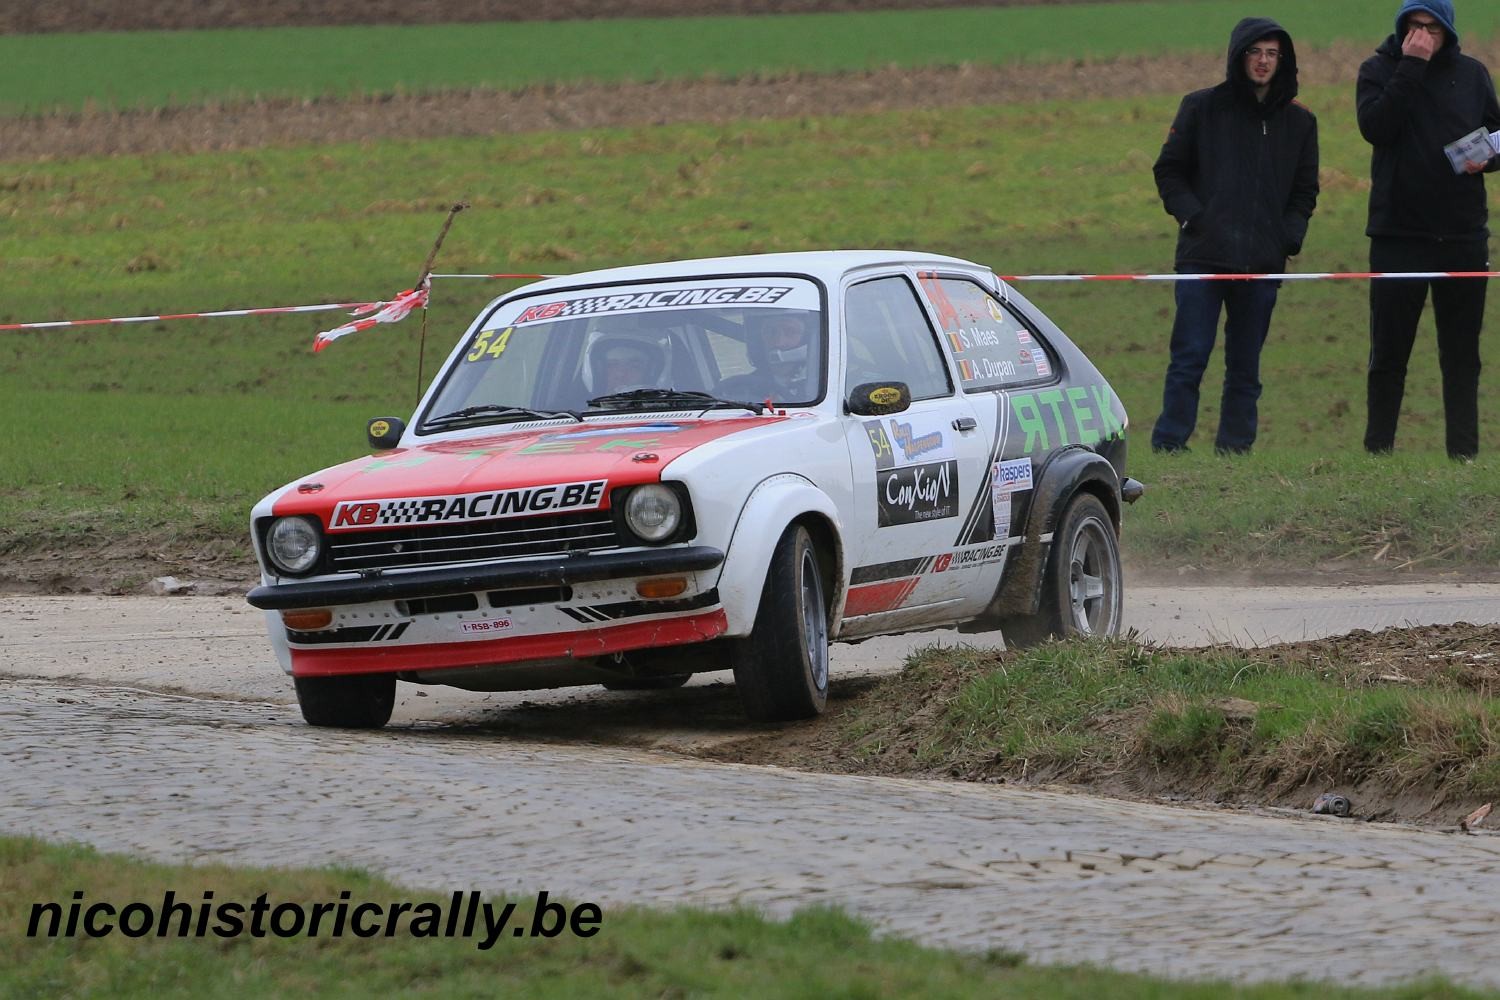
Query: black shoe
<point x="1226" y="451"/>
<point x="1170" y="449"/>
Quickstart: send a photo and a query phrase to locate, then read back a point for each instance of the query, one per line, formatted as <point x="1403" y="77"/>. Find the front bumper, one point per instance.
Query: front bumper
<point x="554" y="571"/>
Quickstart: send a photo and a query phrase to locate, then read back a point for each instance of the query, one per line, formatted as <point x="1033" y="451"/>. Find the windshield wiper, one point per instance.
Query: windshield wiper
<point x="672" y="399"/>
<point x="495" y="413"/>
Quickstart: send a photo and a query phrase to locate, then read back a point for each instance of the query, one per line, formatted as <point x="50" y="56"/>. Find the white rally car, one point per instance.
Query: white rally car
<point x="630" y="475"/>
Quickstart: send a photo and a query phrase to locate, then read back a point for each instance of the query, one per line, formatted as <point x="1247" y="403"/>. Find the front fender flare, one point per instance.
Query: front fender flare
<point x="1065" y="473"/>
<point x="774" y="504"/>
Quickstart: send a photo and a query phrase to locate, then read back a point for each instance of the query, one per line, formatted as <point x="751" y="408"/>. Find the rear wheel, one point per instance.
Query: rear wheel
<point x="781" y="668"/>
<point x="1082" y="588"/>
<point x="364" y="701"/>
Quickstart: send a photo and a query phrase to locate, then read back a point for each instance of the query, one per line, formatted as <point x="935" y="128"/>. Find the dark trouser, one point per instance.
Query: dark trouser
<point x="1248" y="305"/>
<point x="1395" y="306"/>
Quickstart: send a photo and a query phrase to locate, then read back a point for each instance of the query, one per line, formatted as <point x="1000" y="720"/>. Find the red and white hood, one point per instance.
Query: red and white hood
<point x="515" y="473"/>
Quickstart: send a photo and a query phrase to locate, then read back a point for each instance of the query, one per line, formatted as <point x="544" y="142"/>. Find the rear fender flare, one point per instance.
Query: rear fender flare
<point x="1065" y="473"/>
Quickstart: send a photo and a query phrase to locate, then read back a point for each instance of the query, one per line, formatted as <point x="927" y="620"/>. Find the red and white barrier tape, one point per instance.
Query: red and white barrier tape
<point x="392" y="311"/>
<point x="1305" y="276"/>
<point x="55" y="324"/>
<point x="378" y="312"/>
<point x="529" y="277"/>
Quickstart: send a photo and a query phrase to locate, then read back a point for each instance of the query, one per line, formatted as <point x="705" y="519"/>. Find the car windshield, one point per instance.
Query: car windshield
<point x="697" y="344"/>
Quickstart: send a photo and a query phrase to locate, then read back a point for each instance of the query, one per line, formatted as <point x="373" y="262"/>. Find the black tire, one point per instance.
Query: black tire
<point x="364" y="701"/>
<point x="664" y="682"/>
<point x="781" y="668"/>
<point x="1082" y="587"/>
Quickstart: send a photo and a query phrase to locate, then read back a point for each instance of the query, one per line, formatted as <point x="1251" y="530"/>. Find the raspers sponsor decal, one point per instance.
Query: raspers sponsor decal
<point x="352" y="514"/>
<point x="917" y="493"/>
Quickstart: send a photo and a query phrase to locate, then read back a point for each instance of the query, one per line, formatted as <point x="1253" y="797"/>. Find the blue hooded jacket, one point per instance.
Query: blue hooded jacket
<point x="1409" y="109"/>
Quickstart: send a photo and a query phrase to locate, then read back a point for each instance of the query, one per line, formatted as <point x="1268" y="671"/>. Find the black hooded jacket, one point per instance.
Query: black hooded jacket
<point x="1239" y="175"/>
<point x="1409" y="109"/>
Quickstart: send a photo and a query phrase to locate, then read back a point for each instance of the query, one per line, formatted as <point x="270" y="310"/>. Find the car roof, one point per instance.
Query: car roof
<point x="827" y="265"/>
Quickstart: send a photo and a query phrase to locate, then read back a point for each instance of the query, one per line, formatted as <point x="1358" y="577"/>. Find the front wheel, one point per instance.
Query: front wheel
<point x="1083" y="587"/>
<point x="364" y="701"/>
<point x="781" y="668"/>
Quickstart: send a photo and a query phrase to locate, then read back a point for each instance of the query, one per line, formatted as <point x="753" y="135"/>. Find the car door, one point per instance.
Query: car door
<point x="913" y="472"/>
<point x="1008" y="374"/>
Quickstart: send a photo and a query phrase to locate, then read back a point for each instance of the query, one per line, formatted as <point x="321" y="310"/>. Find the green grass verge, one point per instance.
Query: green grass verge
<point x="1261" y="725"/>
<point x="187" y="423"/>
<point x="155" y="69"/>
<point x="637" y="952"/>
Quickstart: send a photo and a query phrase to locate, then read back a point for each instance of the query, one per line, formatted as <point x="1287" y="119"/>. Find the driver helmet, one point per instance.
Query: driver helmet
<point x="624" y="360"/>
<point x="781" y="345"/>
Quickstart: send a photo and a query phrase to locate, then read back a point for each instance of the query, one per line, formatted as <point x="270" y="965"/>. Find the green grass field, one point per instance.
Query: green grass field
<point x="684" y="952"/>
<point x="184" y="424"/>
<point x="150" y="69"/>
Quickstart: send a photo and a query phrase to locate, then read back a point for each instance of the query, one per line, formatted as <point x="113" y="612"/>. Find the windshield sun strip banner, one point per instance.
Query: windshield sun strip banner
<point x="779" y="293"/>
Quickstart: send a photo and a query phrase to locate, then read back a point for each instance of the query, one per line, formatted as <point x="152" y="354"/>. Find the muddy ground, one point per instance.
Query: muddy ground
<point x="905" y="712"/>
<point x="29" y="16"/>
<point x="483" y="112"/>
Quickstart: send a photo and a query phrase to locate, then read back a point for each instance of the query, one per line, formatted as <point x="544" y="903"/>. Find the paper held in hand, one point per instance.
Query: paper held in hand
<point x="1476" y="147"/>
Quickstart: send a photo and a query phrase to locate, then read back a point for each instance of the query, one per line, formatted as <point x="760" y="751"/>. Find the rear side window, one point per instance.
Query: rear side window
<point x="990" y="346"/>
<point x="890" y="340"/>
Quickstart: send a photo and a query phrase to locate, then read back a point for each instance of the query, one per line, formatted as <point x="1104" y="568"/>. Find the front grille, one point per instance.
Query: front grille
<point x="476" y="542"/>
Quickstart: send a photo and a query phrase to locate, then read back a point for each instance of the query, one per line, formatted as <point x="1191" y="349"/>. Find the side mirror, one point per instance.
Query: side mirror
<point x="876" y="399"/>
<point x="384" y="433"/>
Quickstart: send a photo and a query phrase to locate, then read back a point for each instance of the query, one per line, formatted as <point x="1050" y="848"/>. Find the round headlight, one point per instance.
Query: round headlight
<point x="653" y="512"/>
<point x="294" y="544"/>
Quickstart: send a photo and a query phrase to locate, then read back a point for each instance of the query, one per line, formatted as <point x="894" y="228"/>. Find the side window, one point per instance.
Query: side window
<point x="991" y="347"/>
<point x="887" y="338"/>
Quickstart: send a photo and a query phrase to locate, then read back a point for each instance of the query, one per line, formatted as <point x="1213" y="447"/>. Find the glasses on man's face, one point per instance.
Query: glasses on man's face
<point x="1431" y="27"/>
<point x="1256" y="52"/>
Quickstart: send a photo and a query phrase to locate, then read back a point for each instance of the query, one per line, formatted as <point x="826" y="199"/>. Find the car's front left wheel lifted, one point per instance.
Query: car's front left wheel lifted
<point x="781" y="668"/>
<point x="364" y="701"/>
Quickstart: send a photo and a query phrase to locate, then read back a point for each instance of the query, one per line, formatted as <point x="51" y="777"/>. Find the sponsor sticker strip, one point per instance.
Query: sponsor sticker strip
<point x="351" y="515"/>
<point x="672" y="298"/>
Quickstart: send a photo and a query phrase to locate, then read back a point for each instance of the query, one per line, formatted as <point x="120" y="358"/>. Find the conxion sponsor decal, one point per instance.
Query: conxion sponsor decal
<point x="453" y="509"/>
<point x="918" y="493"/>
<point x="726" y="295"/>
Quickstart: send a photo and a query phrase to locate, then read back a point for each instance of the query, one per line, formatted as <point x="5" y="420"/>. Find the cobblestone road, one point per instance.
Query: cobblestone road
<point x="1063" y="878"/>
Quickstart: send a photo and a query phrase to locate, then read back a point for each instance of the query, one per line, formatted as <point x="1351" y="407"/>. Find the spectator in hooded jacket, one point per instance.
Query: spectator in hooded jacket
<point x="1239" y="173"/>
<point x="1417" y="94"/>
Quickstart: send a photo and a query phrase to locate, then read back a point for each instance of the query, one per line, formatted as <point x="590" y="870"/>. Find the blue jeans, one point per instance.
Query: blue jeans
<point x="1248" y="305"/>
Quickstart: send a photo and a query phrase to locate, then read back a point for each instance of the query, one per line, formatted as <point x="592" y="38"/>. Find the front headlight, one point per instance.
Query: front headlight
<point x="294" y="544"/>
<point x="653" y="512"/>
